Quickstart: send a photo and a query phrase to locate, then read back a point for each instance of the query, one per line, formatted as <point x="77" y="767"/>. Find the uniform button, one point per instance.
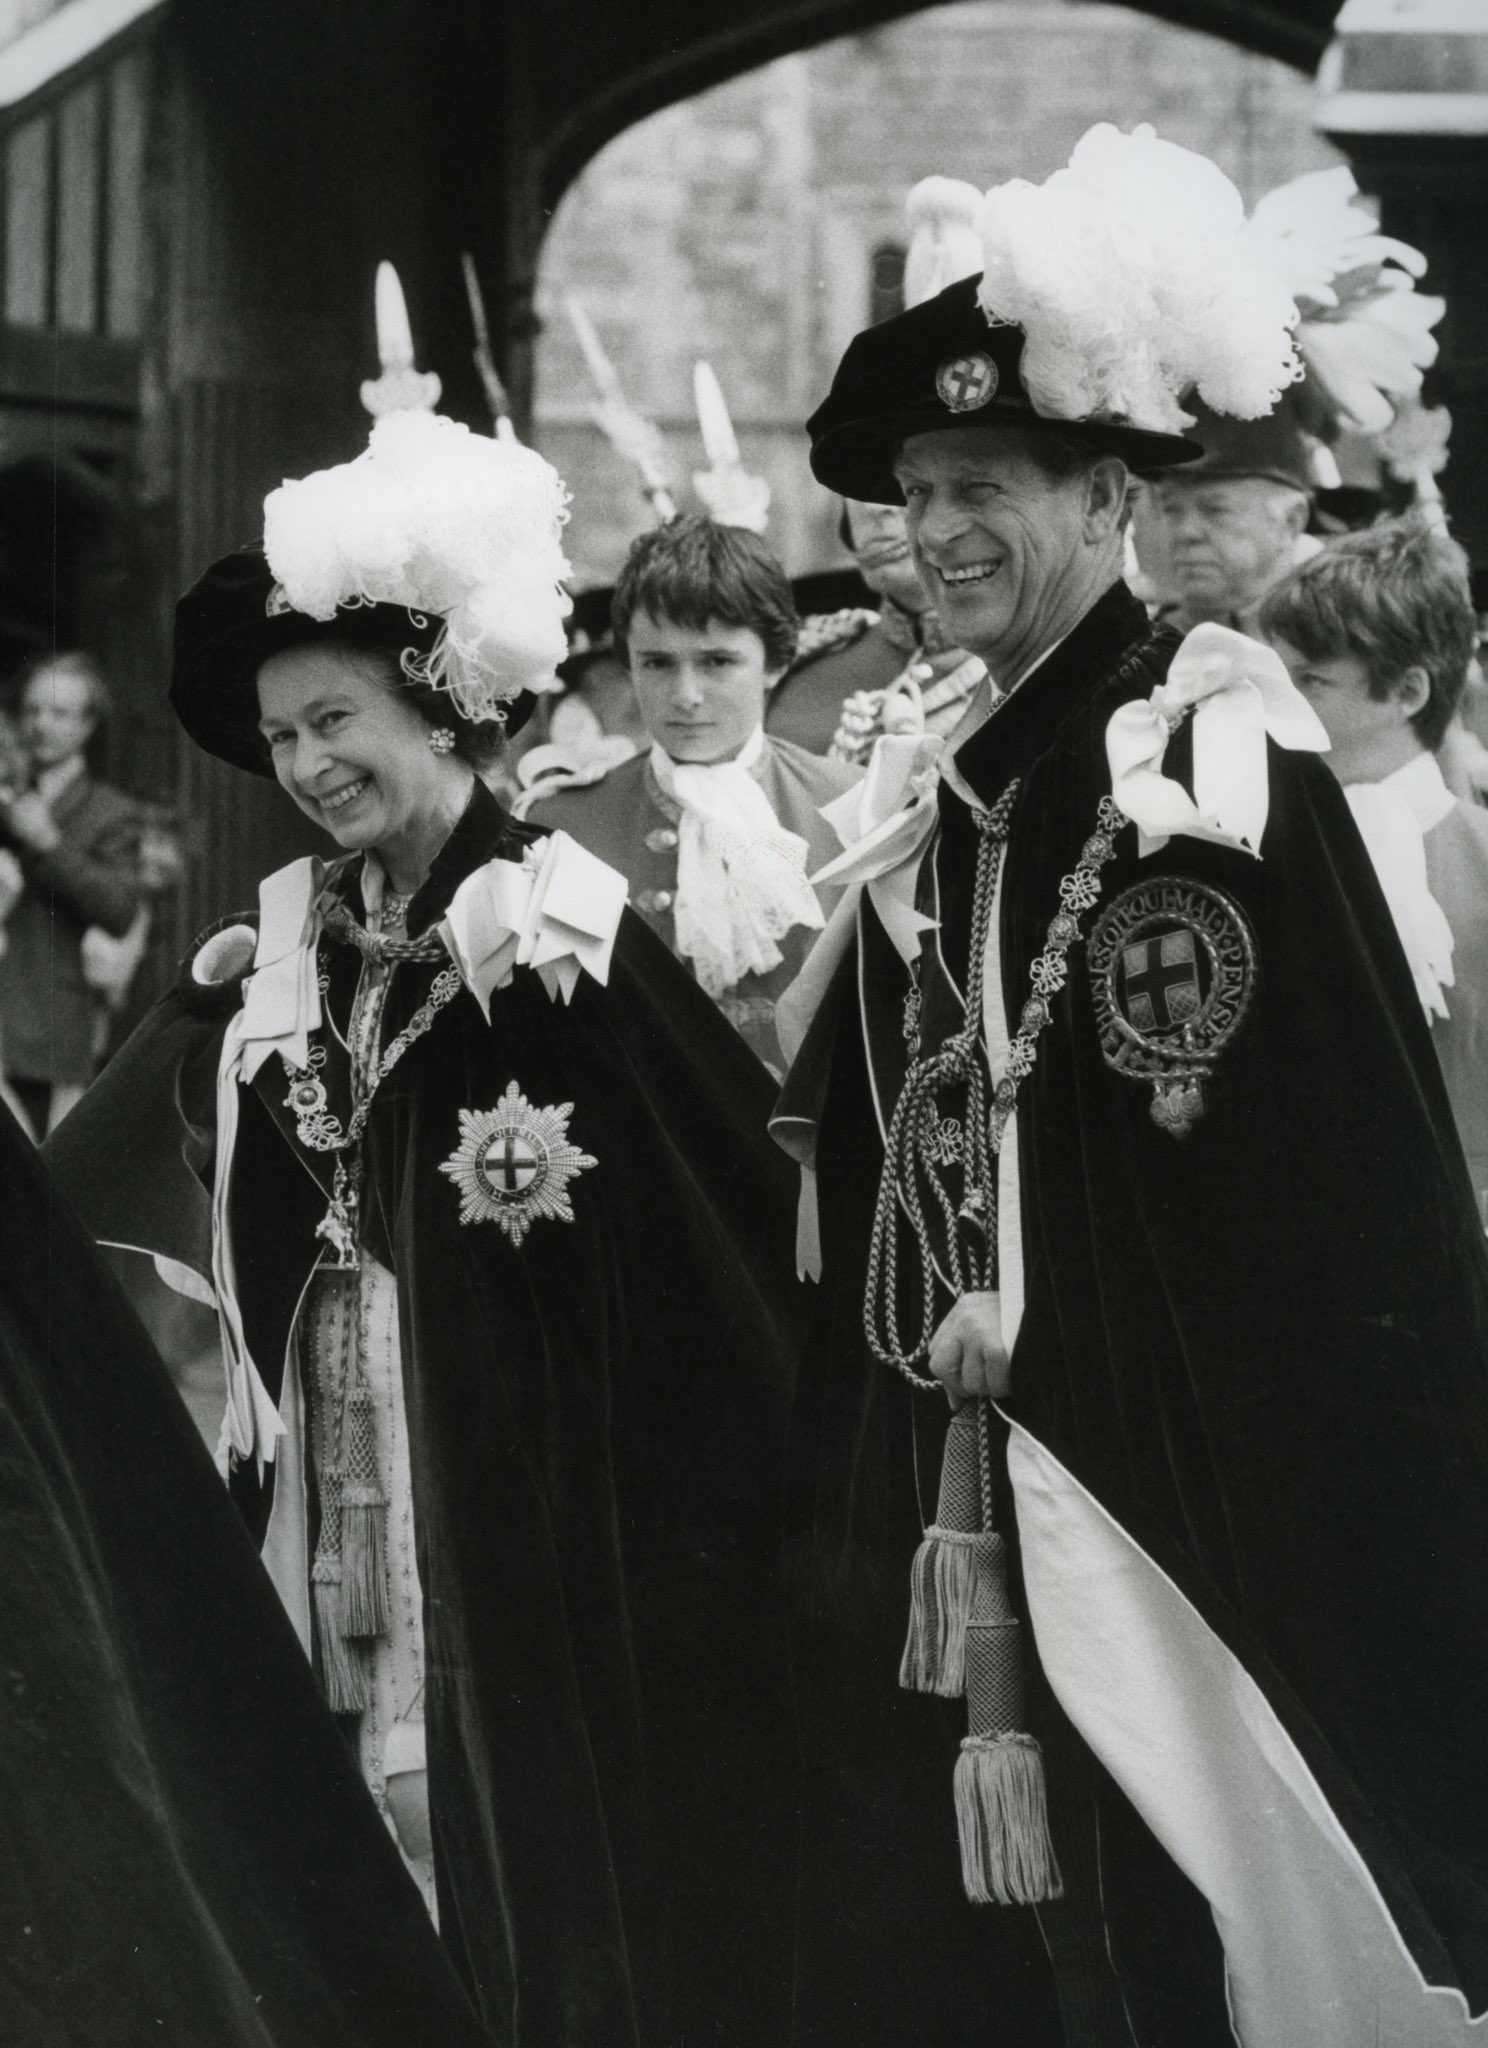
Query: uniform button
<point x="662" y="840"/>
<point x="653" y="900"/>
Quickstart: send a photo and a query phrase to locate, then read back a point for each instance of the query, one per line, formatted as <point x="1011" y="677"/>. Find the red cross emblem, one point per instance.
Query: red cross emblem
<point x="966" y="383"/>
<point x="1160" y="978"/>
<point x="514" y="1163"/>
<point x="509" y="1165"/>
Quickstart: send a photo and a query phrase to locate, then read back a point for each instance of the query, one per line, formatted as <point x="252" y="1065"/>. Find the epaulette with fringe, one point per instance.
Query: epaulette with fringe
<point x="824" y="632"/>
<point x="563" y="779"/>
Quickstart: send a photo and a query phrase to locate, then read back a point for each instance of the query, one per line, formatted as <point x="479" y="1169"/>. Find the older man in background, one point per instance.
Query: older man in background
<point x="75" y="840"/>
<point x="1132" y="1143"/>
<point x="1233" y="523"/>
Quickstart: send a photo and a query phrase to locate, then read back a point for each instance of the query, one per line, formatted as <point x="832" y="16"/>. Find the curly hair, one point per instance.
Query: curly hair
<point x="478" y="742"/>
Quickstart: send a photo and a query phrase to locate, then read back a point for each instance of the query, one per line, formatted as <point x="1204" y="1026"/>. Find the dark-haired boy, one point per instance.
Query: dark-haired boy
<point x="719" y="825"/>
<point x="1378" y="633"/>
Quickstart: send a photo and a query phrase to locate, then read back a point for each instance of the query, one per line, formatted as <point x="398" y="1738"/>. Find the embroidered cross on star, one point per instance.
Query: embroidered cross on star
<point x="514" y="1163"/>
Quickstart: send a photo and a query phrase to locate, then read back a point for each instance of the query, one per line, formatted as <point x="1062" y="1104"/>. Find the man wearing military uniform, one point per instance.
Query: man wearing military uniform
<point x="718" y="826"/>
<point x="1124" y="1132"/>
<point x="832" y="698"/>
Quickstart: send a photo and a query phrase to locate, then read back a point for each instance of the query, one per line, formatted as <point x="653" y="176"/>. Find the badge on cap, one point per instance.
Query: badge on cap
<point x="1172" y="978"/>
<point x="966" y="383"/>
<point x="514" y="1163"/>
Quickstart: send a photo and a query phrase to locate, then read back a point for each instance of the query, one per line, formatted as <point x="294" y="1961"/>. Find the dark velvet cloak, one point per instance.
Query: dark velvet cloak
<point x="188" y="1854"/>
<point x="596" y="1427"/>
<point x="1261" y="1350"/>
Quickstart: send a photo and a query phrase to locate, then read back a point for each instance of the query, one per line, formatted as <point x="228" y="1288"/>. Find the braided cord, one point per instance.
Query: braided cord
<point x="917" y="1146"/>
<point x="917" y="1140"/>
<point x="378" y="947"/>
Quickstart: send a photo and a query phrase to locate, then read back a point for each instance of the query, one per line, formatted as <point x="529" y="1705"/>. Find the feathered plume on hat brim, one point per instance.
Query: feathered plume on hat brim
<point x="445" y="523"/>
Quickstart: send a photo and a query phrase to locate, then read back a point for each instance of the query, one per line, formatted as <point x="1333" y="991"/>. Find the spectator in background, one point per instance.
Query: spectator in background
<point x="718" y="825"/>
<point x="111" y="965"/>
<point x="1233" y="524"/>
<point x="75" y="840"/>
<point x="1378" y="633"/>
<point x="832" y="699"/>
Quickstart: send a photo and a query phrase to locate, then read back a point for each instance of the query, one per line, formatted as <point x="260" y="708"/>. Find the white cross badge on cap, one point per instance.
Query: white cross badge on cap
<point x="514" y="1163"/>
<point x="966" y="383"/>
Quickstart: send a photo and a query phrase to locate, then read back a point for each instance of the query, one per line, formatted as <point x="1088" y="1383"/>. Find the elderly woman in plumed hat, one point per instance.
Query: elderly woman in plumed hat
<point x="1126" y="1136"/>
<point x="477" y="1181"/>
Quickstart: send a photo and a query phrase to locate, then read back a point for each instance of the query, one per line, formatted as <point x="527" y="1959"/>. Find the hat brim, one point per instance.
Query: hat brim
<point x="225" y="633"/>
<point x="856" y="459"/>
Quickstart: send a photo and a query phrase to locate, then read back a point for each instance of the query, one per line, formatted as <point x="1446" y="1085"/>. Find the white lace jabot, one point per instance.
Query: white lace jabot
<point x="1393" y="816"/>
<point x="741" y="876"/>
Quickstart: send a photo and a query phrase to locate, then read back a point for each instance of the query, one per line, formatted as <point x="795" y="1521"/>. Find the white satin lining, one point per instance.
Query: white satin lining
<point x="1312" y="1953"/>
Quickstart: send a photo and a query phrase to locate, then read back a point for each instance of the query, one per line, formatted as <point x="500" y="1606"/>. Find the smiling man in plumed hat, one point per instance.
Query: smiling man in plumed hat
<point x="1119" y="1128"/>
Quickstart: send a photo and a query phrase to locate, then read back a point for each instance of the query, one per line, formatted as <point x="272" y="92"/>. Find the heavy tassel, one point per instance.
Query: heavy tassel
<point x="1007" y="1857"/>
<point x="942" y="1583"/>
<point x="341" y="1672"/>
<point x="364" y="1589"/>
<point x="944" y="1574"/>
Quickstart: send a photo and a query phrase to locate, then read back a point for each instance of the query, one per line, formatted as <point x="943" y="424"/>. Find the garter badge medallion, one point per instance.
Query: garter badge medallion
<point x="966" y="383"/>
<point x="514" y="1163"/>
<point x="1173" y="977"/>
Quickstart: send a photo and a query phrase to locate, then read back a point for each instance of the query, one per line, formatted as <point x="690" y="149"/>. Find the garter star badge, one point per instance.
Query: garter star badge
<point x="514" y="1163"/>
<point x="1173" y="977"/>
<point x="966" y="383"/>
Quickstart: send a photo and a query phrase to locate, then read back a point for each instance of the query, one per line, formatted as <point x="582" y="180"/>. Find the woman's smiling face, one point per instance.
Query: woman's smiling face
<point x="350" y="747"/>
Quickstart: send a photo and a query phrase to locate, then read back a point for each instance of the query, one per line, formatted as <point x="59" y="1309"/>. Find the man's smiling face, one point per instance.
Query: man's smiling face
<point x="998" y="538"/>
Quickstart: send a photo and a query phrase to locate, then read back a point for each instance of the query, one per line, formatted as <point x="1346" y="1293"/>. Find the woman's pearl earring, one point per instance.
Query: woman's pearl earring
<point x="442" y="739"/>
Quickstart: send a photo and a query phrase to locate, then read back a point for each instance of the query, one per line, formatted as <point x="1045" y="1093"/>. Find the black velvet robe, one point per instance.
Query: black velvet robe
<point x="596" y="1426"/>
<point x="188" y="1854"/>
<point x="1264" y="1352"/>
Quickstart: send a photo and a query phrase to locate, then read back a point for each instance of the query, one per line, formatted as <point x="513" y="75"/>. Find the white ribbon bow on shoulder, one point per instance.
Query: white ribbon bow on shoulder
<point x="556" y="911"/>
<point x="885" y="823"/>
<point x="1239" y="693"/>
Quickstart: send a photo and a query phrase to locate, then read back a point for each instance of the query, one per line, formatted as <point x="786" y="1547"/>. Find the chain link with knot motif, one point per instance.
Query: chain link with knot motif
<point x="319" y="1128"/>
<point x="915" y="1142"/>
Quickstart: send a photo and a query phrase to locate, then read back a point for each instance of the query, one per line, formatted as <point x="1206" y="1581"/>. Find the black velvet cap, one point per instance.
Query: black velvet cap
<point x="225" y="631"/>
<point x="939" y="365"/>
<point x="1273" y="447"/>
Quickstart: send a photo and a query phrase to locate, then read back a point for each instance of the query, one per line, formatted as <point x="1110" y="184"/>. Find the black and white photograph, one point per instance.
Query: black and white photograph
<point x="743" y="1024"/>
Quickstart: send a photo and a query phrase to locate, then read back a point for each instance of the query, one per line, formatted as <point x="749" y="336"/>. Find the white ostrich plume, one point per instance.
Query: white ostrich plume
<point x="1364" y="332"/>
<point x="1130" y="273"/>
<point x="447" y="523"/>
<point x="944" y="245"/>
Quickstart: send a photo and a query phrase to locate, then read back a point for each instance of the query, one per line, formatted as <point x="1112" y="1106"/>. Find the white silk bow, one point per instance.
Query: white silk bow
<point x="1239" y="693"/>
<point x="557" y="911"/>
<point x="885" y="823"/>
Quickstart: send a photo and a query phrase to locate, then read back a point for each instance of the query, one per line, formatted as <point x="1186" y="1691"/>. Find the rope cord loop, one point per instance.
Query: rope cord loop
<point x="919" y="1149"/>
<point x="917" y="1156"/>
